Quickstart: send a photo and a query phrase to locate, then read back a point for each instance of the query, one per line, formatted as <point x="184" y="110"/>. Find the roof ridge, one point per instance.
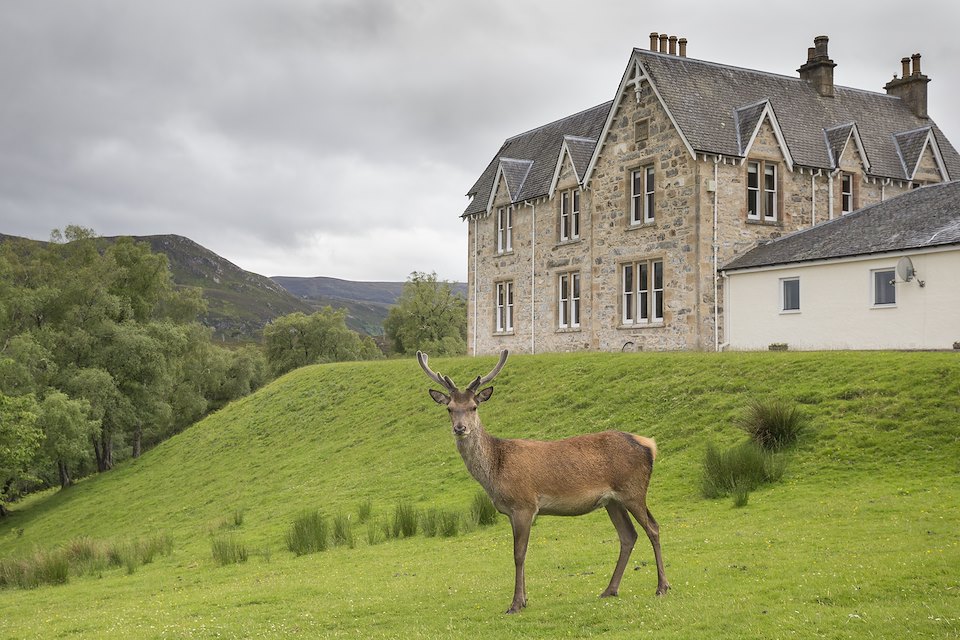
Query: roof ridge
<point x="585" y="139"/>
<point x="928" y="127"/>
<point x="572" y="115"/>
<point x="757" y="71"/>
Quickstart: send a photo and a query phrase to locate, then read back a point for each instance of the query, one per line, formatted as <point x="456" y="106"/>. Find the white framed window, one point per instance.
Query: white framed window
<point x="642" y="200"/>
<point x="762" y="197"/>
<point x="642" y="292"/>
<point x="504" y="315"/>
<point x="846" y="193"/>
<point x="570" y="215"/>
<point x="790" y="295"/>
<point x="568" y="296"/>
<point x="884" y="292"/>
<point x="504" y="229"/>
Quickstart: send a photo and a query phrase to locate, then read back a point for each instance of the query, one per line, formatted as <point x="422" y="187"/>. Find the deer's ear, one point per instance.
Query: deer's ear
<point x="439" y="397"/>
<point x="484" y="395"/>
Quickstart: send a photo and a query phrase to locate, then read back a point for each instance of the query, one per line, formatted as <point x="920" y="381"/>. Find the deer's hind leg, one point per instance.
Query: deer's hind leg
<point x="650" y="526"/>
<point x="628" y="537"/>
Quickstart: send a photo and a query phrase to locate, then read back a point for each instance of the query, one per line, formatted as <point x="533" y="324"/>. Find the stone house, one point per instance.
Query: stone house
<point x="606" y="230"/>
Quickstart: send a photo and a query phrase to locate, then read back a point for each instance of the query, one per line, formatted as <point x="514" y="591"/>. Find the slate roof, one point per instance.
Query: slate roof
<point x="581" y="150"/>
<point x="717" y="109"/>
<point x="542" y="147"/>
<point x="918" y="219"/>
<point x="703" y="98"/>
<point x="515" y="172"/>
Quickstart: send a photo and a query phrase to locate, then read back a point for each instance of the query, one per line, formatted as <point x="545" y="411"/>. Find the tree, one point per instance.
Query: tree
<point x="296" y="340"/>
<point x="67" y="430"/>
<point x="429" y="317"/>
<point x="20" y="440"/>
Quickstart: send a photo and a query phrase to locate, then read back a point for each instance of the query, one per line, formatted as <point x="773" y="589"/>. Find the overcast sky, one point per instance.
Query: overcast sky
<point x="338" y="137"/>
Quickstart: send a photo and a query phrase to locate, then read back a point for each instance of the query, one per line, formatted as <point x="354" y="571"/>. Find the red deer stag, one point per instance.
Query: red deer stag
<point x="563" y="478"/>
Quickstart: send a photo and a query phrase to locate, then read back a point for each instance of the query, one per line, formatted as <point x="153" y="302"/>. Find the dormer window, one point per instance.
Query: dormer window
<point x="761" y="190"/>
<point x="570" y="215"/>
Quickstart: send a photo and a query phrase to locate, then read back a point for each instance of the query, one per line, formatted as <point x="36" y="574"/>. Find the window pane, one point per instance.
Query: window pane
<point x="628" y="293"/>
<point x="770" y="177"/>
<point x="752" y="204"/>
<point x="658" y="305"/>
<point x="884" y="290"/>
<point x="791" y="295"/>
<point x="649" y="200"/>
<point x="753" y="170"/>
<point x="575" y="301"/>
<point x="643" y="287"/>
<point x="658" y="290"/>
<point x="636" y="197"/>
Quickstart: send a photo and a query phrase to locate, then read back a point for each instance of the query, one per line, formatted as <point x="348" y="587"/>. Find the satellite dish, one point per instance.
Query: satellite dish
<point x="905" y="269"/>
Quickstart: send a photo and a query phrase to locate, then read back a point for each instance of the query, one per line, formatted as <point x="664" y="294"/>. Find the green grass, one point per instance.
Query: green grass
<point x="859" y="538"/>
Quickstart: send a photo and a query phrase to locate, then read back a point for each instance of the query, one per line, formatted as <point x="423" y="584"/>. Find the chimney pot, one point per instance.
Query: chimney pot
<point x="820" y="44"/>
<point x="683" y="47"/>
<point x="663" y="42"/>
<point x="811" y="53"/>
<point x="673" y="45"/>
<point x="916" y="64"/>
<point x="654" y="41"/>
<point x="905" y="63"/>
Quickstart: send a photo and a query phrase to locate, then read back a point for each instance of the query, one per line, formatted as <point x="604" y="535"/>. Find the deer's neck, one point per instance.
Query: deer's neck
<point x="478" y="451"/>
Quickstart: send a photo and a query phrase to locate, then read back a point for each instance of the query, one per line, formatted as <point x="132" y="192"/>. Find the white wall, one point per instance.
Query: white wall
<point x="836" y="310"/>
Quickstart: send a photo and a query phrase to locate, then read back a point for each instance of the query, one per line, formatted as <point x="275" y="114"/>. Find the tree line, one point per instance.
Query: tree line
<point x="102" y="355"/>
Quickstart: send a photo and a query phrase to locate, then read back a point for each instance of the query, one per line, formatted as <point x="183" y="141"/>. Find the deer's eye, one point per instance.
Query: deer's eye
<point x="473" y="408"/>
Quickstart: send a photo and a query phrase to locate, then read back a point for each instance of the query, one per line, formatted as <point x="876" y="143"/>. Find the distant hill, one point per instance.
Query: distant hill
<point x="367" y="303"/>
<point x="239" y="302"/>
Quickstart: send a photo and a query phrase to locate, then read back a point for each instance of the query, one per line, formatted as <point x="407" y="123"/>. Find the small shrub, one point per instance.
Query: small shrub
<point x="342" y="531"/>
<point x="386" y="529"/>
<point x="238" y="515"/>
<point x="482" y="511"/>
<point x="308" y="534"/>
<point x="773" y="425"/>
<point x="364" y="511"/>
<point x="740" y="469"/>
<point x="228" y="550"/>
<point x="404" y="520"/>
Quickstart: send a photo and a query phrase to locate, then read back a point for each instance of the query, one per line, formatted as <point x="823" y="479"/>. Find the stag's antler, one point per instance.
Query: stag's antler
<point x="443" y="381"/>
<point x="479" y="382"/>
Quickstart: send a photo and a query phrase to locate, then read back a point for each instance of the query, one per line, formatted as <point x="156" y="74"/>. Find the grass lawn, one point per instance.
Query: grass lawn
<point x="861" y="537"/>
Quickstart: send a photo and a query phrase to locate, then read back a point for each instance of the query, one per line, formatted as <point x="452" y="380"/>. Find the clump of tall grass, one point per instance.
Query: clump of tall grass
<point x="773" y="425"/>
<point x="342" y="531"/>
<point x="364" y="510"/>
<point x="41" y="568"/>
<point x="440" y="522"/>
<point x="81" y="556"/>
<point x="448" y="524"/>
<point x="482" y="511"/>
<point x="227" y="549"/>
<point x="404" y="520"/>
<point x="738" y="470"/>
<point x="308" y="534"/>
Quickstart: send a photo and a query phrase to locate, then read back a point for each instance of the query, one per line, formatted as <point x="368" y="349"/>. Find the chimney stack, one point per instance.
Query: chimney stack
<point x="912" y="87"/>
<point x="663" y="43"/>
<point x="818" y="69"/>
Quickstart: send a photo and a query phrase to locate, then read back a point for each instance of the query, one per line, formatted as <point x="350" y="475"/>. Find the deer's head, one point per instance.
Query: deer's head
<point x="462" y="405"/>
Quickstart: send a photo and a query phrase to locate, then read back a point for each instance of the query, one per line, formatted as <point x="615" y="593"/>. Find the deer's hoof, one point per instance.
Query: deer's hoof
<point x="662" y="589"/>
<point x="609" y="594"/>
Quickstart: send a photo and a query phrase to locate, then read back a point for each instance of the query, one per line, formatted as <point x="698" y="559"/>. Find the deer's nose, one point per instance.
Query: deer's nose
<point x="459" y="429"/>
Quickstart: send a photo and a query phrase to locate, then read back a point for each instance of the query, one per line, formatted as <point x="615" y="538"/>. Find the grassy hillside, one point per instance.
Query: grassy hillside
<point x="860" y="538"/>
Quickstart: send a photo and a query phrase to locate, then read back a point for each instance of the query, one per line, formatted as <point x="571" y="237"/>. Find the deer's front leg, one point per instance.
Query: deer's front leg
<point x="520" y="521"/>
